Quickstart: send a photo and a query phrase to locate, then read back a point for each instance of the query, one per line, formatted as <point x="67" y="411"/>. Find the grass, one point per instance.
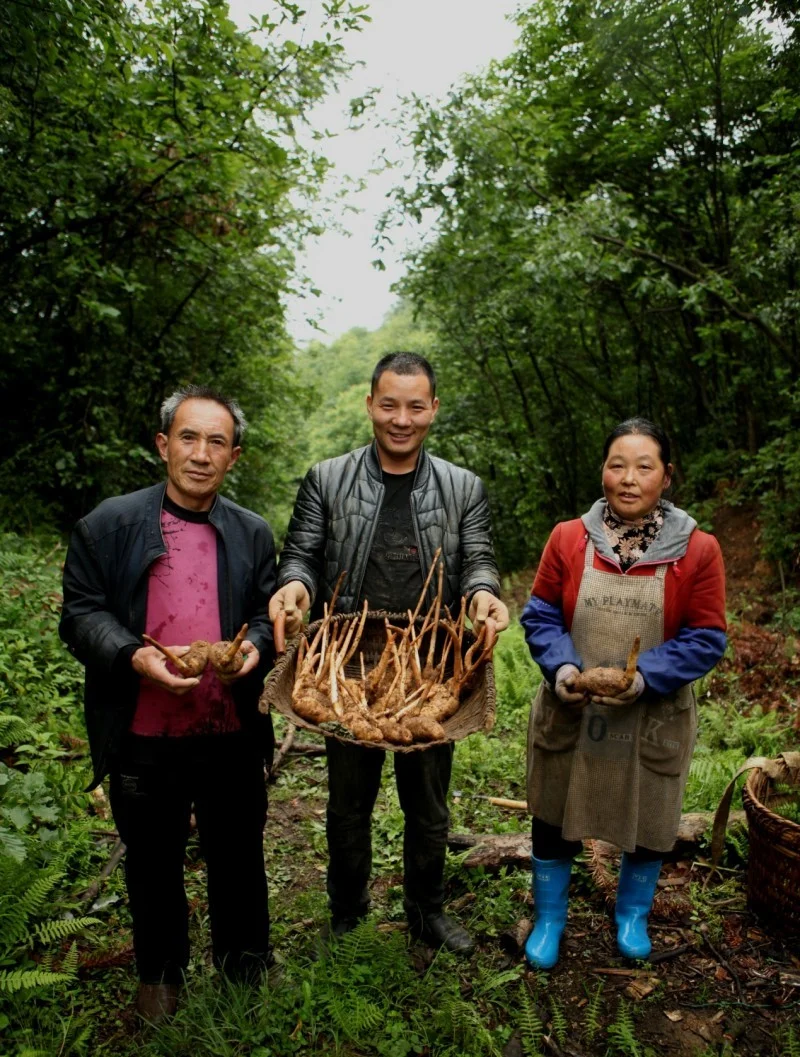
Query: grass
<point x="378" y="996"/>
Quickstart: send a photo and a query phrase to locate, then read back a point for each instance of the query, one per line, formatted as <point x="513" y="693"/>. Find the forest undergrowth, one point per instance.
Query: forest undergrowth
<point x="66" y="974"/>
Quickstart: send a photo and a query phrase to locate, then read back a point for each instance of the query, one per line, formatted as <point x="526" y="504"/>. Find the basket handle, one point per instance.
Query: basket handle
<point x="775" y="769"/>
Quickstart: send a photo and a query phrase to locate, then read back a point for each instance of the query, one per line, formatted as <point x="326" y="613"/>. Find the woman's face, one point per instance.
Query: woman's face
<point x="634" y="476"/>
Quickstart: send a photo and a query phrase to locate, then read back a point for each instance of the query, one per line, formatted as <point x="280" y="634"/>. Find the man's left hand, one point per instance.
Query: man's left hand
<point x="633" y="693"/>
<point x="251" y="659"/>
<point x="486" y="608"/>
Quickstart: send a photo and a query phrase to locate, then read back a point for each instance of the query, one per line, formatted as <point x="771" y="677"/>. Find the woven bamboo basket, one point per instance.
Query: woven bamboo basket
<point x="476" y="712"/>
<point x="773" y="873"/>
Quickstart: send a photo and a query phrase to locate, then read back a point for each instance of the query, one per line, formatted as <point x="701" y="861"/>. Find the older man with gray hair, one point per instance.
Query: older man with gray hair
<point x="178" y="563"/>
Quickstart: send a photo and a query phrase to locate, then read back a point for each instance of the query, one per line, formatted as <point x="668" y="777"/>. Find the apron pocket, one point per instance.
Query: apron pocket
<point x="554" y="726"/>
<point x="666" y="741"/>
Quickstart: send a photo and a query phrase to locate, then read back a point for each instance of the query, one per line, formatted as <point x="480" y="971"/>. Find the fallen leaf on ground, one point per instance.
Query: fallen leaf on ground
<point x="639" y="989"/>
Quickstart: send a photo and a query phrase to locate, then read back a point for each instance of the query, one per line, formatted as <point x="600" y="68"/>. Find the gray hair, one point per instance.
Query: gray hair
<point x="170" y="407"/>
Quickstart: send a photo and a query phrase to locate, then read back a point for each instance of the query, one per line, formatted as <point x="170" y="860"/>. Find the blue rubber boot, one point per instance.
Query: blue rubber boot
<point x="550" y="899"/>
<point x="637" y="887"/>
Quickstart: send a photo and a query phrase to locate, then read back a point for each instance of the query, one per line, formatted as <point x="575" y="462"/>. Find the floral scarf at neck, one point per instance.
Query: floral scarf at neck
<point x="630" y="539"/>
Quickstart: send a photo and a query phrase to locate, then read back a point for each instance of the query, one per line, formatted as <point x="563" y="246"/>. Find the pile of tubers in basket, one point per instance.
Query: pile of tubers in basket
<point x="406" y="697"/>
<point x="225" y="657"/>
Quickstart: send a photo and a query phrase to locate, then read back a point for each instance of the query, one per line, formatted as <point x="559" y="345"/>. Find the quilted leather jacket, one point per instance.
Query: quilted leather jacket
<point x="336" y="512"/>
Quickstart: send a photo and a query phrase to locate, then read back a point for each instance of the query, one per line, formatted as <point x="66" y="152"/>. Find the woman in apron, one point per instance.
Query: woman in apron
<point x="615" y="769"/>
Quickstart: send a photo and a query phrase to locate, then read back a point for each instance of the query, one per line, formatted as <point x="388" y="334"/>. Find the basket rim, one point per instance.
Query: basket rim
<point x="288" y="658"/>
<point x="759" y="806"/>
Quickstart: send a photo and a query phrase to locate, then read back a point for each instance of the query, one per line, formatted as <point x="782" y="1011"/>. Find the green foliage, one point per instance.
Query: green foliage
<point x="516" y="676"/>
<point x="593" y="1012"/>
<point x="616" y="231"/>
<point x="153" y="191"/>
<point x="559" y="1020"/>
<point x="622" y="1033"/>
<point x="785" y="801"/>
<point x="39" y="681"/>
<point x="790" y="1041"/>
<point x="340" y="374"/>
<point x="531" y="1028"/>
<point x="772" y="476"/>
<point x="708" y="905"/>
<point x="25" y="899"/>
<point x="726" y="739"/>
<point x="364" y="997"/>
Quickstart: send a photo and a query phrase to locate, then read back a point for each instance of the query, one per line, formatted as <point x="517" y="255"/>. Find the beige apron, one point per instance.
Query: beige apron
<point x="615" y="773"/>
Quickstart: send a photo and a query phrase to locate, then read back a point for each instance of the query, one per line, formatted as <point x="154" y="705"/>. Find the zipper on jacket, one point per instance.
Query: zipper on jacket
<point x="424" y="564"/>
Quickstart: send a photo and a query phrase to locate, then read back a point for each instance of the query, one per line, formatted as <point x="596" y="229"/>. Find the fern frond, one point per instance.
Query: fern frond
<point x="489" y="980"/>
<point x="24" y="979"/>
<point x="53" y="931"/>
<point x="354" y="1014"/>
<point x="592" y="1014"/>
<point x="531" y="1028"/>
<point x="790" y="1042"/>
<point x="13" y="729"/>
<point x="621" y="1032"/>
<point x="461" y="1021"/>
<point x="559" y="1020"/>
<point x="12" y="845"/>
<point x="69" y="967"/>
<point x="27" y="895"/>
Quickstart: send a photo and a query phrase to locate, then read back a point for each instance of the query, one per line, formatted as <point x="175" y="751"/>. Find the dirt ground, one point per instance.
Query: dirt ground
<point x="719" y="980"/>
<point x="717" y="975"/>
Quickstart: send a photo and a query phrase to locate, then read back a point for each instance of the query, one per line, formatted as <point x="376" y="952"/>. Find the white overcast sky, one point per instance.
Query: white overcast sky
<point x="411" y="46"/>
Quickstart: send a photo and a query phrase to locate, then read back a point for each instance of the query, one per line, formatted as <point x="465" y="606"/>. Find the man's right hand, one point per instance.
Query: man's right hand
<point x="292" y="599"/>
<point x="150" y="663"/>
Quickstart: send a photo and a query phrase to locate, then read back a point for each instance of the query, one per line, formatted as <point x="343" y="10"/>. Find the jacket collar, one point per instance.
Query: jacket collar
<point x="155" y="504"/>
<point x="374" y="467"/>
<point x="670" y="544"/>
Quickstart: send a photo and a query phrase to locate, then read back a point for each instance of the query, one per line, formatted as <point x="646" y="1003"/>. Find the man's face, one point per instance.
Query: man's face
<point x="198" y="451"/>
<point x="402" y="409"/>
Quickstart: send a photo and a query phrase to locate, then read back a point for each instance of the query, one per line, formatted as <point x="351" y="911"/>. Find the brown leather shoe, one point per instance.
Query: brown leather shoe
<point x="156" y="1003"/>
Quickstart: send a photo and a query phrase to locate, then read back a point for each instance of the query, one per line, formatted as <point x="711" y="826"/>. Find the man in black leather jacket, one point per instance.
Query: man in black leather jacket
<point x="380" y="513"/>
<point x="179" y="562"/>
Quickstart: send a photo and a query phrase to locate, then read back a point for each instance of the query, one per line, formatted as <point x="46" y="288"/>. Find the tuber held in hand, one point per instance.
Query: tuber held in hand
<point x="607" y="682"/>
<point x="225" y="657"/>
<point x="194" y="662"/>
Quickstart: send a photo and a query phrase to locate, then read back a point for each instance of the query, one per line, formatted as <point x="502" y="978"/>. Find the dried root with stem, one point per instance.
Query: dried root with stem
<point x="225" y="657"/>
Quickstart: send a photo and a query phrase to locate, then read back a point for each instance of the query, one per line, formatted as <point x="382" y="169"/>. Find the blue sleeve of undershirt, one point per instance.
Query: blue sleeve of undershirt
<point x="548" y="639"/>
<point x="689" y="655"/>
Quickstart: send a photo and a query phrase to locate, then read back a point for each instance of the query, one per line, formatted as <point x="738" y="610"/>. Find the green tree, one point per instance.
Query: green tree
<point x="617" y="210"/>
<point x="340" y="375"/>
<point x="152" y="194"/>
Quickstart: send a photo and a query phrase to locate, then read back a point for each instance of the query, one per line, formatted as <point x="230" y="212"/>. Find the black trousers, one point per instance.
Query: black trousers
<point x="354" y="778"/>
<point x="155" y="784"/>
<point x="548" y="842"/>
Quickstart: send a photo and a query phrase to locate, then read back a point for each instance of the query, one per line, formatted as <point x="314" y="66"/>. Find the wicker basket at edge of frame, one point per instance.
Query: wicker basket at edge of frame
<point x="476" y="711"/>
<point x="773" y="872"/>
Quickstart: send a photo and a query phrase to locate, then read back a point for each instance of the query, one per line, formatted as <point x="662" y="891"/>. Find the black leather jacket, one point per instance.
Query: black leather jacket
<point x="336" y="511"/>
<point x="105" y="606"/>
